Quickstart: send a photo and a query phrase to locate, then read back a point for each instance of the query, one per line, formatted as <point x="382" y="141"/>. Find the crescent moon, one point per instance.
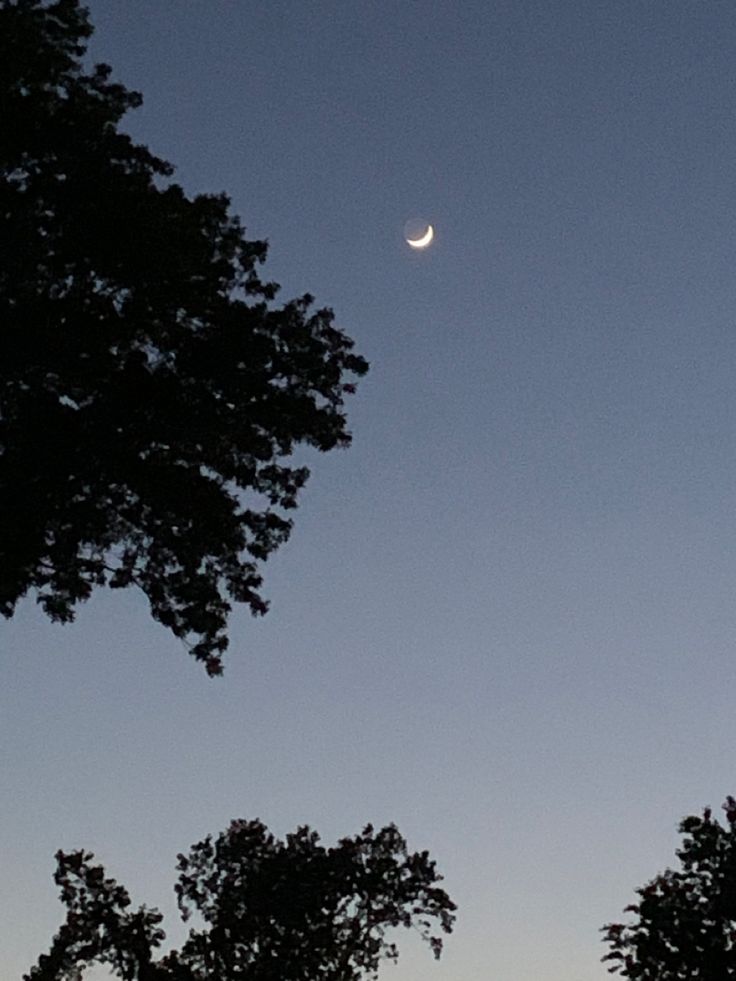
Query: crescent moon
<point x="423" y="241"/>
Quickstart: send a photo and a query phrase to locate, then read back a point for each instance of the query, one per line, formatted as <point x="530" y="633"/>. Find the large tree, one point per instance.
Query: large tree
<point x="268" y="910"/>
<point x="684" y="922"/>
<point x="151" y="393"/>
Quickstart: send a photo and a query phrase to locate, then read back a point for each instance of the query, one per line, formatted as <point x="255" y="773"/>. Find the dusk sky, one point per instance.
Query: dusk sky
<point x="506" y="618"/>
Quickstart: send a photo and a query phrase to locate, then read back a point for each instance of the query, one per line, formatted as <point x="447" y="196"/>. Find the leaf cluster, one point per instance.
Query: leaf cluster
<point x="268" y="910"/>
<point x="684" y="922"/>
<point x="151" y="393"/>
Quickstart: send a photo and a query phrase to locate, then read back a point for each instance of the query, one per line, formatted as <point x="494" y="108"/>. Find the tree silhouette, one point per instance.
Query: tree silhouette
<point x="151" y="394"/>
<point x="685" y="920"/>
<point x="268" y="910"/>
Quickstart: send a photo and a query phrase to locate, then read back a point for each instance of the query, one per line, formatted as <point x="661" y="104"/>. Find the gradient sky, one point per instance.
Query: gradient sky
<point x="506" y="616"/>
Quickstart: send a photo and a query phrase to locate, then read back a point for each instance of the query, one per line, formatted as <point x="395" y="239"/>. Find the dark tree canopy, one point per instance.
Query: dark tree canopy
<point x="684" y="924"/>
<point x="151" y="394"/>
<point x="267" y="910"/>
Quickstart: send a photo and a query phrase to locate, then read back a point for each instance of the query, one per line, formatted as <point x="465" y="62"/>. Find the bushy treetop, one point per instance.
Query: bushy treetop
<point x="266" y="910"/>
<point x="684" y="922"/>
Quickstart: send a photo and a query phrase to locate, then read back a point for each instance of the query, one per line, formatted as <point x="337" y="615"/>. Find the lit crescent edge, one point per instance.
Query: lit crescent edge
<point x="420" y="243"/>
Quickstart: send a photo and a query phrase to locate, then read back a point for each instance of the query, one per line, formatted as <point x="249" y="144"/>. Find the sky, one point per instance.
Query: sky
<point x="505" y="619"/>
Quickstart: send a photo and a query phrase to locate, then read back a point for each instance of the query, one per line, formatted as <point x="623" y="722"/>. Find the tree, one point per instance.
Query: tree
<point x="269" y="910"/>
<point x="151" y="394"/>
<point x="685" y="920"/>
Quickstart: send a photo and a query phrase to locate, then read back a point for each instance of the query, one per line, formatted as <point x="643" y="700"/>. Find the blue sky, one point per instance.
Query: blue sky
<point x="505" y="619"/>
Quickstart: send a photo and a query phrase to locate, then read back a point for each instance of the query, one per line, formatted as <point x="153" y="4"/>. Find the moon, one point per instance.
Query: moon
<point x="421" y="241"/>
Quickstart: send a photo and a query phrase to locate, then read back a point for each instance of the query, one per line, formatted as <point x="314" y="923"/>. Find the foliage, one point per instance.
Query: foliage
<point x="685" y="919"/>
<point x="269" y="910"/>
<point x="151" y="394"/>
